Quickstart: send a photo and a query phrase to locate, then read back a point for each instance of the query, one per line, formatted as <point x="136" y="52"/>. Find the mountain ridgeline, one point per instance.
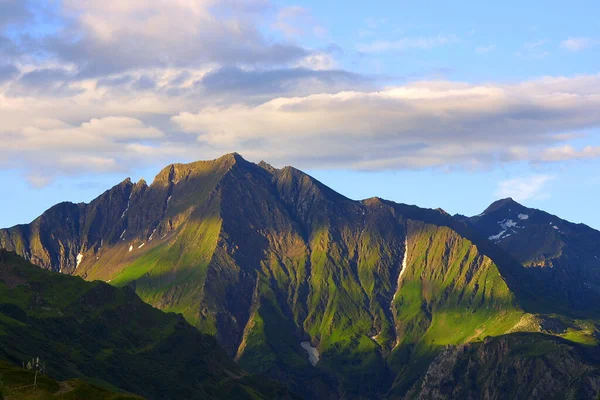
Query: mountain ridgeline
<point x="265" y="259"/>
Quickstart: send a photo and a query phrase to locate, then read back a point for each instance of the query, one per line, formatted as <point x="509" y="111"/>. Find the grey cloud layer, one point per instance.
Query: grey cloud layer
<point x="118" y="84"/>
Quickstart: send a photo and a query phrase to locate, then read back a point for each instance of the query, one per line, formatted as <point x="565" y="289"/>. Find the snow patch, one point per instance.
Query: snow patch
<point x="496" y="237"/>
<point x="79" y="260"/>
<point x="130" y="247"/>
<point x="313" y="353"/>
<point x="123" y="234"/>
<point x="402" y="271"/>
<point x="128" y="202"/>
<point x="507" y="223"/>
<point x="523" y="216"/>
<point x="141" y="245"/>
<point x="152" y="235"/>
<point x="555" y="227"/>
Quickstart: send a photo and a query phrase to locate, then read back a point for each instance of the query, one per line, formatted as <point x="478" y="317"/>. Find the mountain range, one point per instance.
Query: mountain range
<point x="334" y="297"/>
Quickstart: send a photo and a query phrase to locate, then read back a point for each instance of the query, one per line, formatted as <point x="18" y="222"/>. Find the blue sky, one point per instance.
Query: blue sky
<point x="439" y="104"/>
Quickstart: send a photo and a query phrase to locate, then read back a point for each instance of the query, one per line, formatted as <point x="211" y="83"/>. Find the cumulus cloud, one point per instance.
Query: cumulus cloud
<point x="525" y="188"/>
<point x="105" y="37"/>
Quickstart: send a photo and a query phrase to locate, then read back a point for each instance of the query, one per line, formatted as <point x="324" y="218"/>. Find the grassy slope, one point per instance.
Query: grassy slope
<point x="108" y="336"/>
<point x="15" y="384"/>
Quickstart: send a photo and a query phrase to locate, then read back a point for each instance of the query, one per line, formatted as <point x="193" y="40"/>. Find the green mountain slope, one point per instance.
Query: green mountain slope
<point x="108" y="336"/>
<point x="272" y="262"/>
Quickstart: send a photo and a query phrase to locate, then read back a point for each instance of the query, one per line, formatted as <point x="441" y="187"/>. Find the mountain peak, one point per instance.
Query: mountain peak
<point x="232" y="157"/>
<point x="502" y="203"/>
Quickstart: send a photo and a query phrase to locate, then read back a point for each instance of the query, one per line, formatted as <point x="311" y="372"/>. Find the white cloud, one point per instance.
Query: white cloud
<point x="568" y="152"/>
<point x="422" y="124"/>
<point x="520" y="189"/>
<point x="578" y="43"/>
<point x="430" y="42"/>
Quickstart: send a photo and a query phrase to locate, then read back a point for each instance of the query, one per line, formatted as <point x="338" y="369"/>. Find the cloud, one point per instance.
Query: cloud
<point x="297" y="21"/>
<point x="8" y="72"/>
<point x="403" y="44"/>
<point x="105" y="38"/>
<point x="485" y="49"/>
<point x="233" y="80"/>
<point x="51" y="147"/>
<point x="104" y="86"/>
<point x="526" y="188"/>
<point x="578" y="43"/>
<point x="419" y="125"/>
<point x="13" y="12"/>
<point x="534" y="49"/>
<point x="49" y="81"/>
<point x="568" y="152"/>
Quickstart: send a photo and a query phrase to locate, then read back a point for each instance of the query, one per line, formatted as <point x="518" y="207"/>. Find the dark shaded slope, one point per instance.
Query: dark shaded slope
<point x="562" y="258"/>
<point x="103" y="334"/>
<point x="516" y="366"/>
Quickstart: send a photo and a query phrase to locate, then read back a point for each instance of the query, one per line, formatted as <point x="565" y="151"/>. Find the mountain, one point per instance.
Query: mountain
<point x="108" y="337"/>
<point x="334" y="297"/>
<point x="562" y="257"/>
<point x="516" y="366"/>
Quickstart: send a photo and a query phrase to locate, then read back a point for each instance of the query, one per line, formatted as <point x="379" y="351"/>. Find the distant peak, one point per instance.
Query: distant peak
<point x="502" y="203"/>
<point x="142" y="182"/>
<point x="442" y="211"/>
<point x="267" y="167"/>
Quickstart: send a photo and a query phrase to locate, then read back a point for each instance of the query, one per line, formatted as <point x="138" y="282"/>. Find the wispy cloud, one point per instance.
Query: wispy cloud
<point x="534" y="49"/>
<point x="297" y="21"/>
<point x="578" y="43"/>
<point x="424" y="43"/>
<point x="485" y="49"/>
<point x="524" y="188"/>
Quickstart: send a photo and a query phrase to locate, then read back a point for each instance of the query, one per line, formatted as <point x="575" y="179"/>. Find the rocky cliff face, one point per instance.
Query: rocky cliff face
<point x="517" y="366"/>
<point x="265" y="258"/>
